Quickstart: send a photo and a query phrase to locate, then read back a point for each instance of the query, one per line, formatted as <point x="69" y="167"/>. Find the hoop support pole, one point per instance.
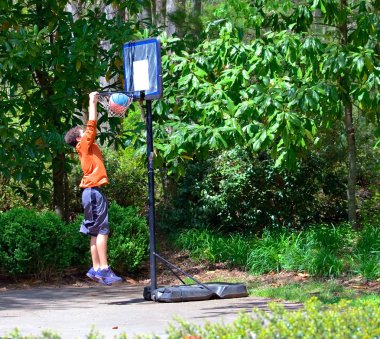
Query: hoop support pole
<point x="151" y="207"/>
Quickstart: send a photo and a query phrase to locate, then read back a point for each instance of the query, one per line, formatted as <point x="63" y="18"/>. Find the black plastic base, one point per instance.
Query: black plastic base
<point x="196" y="292"/>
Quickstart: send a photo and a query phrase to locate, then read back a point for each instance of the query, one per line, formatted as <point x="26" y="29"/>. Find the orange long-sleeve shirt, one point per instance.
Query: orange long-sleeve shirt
<point x="91" y="159"/>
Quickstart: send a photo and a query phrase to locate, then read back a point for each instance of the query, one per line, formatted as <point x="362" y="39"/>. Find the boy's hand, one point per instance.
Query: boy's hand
<point x="94" y="96"/>
<point x="92" y="109"/>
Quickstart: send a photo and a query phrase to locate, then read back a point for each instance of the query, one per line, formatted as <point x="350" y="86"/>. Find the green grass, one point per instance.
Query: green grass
<point x="329" y="292"/>
<point x="322" y="250"/>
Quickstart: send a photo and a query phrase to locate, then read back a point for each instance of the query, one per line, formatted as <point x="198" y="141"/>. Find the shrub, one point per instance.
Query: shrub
<point x="342" y="320"/>
<point x="77" y="244"/>
<point x="127" y="178"/>
<point x="14" y="193"/>
<point x="236" y="190"/>
<point x="32" y="243"/>
<point x="129" y="238"/>
<point x="203" y="244"/>
<point x="40" y="244"/>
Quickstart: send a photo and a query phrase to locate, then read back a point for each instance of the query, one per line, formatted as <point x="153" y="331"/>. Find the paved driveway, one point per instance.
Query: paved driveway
<point x="71" y="312"/>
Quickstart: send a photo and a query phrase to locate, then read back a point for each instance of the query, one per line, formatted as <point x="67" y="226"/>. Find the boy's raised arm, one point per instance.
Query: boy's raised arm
<point x="92" y="106"/>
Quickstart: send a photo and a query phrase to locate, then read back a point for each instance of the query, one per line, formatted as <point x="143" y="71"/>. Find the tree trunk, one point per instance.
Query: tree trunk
<point x="146" y="14"/>
<point x="160" y="12"/>
<point x="60" y="200"/>
<point x="171" y="10"/>
<point x="350" y="129"/>
<point x="351" y="183"/>
<point x="197" y="8"/>
<point x="196" y="16"/>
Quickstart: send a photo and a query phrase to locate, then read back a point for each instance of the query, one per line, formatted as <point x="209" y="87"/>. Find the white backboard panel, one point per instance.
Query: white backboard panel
<point x="142" y="68"/>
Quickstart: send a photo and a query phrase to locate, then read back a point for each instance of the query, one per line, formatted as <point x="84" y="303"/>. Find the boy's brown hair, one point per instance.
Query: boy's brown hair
<point x="72" y="135"/>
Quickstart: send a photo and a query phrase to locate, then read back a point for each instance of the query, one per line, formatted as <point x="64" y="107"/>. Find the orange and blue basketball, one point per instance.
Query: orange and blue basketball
<point x="119" y="102"/>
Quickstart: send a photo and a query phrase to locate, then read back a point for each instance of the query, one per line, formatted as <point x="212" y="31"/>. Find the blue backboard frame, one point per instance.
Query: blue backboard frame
<point x="141" y="50"/>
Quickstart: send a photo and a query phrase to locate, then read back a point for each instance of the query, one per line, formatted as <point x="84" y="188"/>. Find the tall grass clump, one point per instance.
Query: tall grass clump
<point x="327" y="249"/>
<point x="214" y="247"/>
<point x="366" y="253"/>
<point x="277" y="250"/>
<point x="319" y="250"/>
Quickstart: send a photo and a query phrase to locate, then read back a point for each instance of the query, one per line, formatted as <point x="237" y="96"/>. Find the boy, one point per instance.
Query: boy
<point x="94" y="203"/>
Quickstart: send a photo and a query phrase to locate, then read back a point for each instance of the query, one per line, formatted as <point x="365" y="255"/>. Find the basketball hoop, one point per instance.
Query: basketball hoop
<point x="115" y="103"/>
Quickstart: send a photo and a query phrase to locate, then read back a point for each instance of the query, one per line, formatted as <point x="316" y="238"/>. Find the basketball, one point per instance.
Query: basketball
<point x="118" y="103"/>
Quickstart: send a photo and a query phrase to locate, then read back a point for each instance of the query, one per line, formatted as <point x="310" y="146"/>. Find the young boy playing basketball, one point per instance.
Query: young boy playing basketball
<point x="94" y="203"/>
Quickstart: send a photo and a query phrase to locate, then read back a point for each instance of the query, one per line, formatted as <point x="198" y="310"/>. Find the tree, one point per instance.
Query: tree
<point x="352" y="65"/>
<point x="275" y="92"/>
<point x="49" y="62"/>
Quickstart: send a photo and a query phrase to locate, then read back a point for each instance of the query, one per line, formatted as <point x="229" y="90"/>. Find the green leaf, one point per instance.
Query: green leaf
<point x="323" y="8"/>
<point x="359" y="64"/>
<point x="280" y="160"/>
<point x="245" y="74"/>
<point x="78" y="65"/>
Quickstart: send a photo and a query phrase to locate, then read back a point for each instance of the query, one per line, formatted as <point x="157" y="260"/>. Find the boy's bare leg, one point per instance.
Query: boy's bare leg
<point x="94" y="254"/>
<point x="101" y="246"/>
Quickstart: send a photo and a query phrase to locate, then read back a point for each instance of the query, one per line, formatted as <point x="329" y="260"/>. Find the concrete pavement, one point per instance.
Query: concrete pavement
<point x="71" y="312"/>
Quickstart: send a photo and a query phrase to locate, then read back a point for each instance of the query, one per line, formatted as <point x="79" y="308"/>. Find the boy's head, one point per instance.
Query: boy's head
<point x="73" y="136"/>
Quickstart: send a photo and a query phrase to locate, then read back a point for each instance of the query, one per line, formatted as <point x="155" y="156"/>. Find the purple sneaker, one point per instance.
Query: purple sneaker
<point x="91" y="274"/>
<point x="107" y="276"/>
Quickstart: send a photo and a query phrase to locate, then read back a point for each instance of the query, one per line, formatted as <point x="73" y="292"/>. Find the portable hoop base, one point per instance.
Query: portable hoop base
<point x="171" y="294"/>
<point x="193" y="292"/>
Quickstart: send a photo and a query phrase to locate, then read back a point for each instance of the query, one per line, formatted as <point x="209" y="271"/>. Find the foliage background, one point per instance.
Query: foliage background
<point x="268" y="120"/>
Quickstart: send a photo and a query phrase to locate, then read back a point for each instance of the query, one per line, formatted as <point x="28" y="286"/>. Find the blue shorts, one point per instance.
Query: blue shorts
<point x="95" y="207"/>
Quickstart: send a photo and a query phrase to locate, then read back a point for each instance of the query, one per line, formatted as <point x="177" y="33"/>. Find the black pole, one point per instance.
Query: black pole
<point x="151" y="211"/>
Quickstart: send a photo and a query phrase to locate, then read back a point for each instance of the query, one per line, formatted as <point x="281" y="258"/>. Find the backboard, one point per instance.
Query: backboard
<point x="142" y="68"/>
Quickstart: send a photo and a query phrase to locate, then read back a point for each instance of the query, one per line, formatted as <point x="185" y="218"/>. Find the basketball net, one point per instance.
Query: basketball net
<point x="119" y="112"/>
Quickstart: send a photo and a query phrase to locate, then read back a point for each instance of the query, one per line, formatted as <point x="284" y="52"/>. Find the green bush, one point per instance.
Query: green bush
<point x="32" y="243"/>
<point x="40" y="244"/>
<point x="236" y="190"/>
<point x="14" y="193"/>
<point x="129" y="238"/>
<point x="127" y="244"/>
<point x="77" y="245"/>
<point x="342" y="320"/>
<point x="127" y="178"/>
